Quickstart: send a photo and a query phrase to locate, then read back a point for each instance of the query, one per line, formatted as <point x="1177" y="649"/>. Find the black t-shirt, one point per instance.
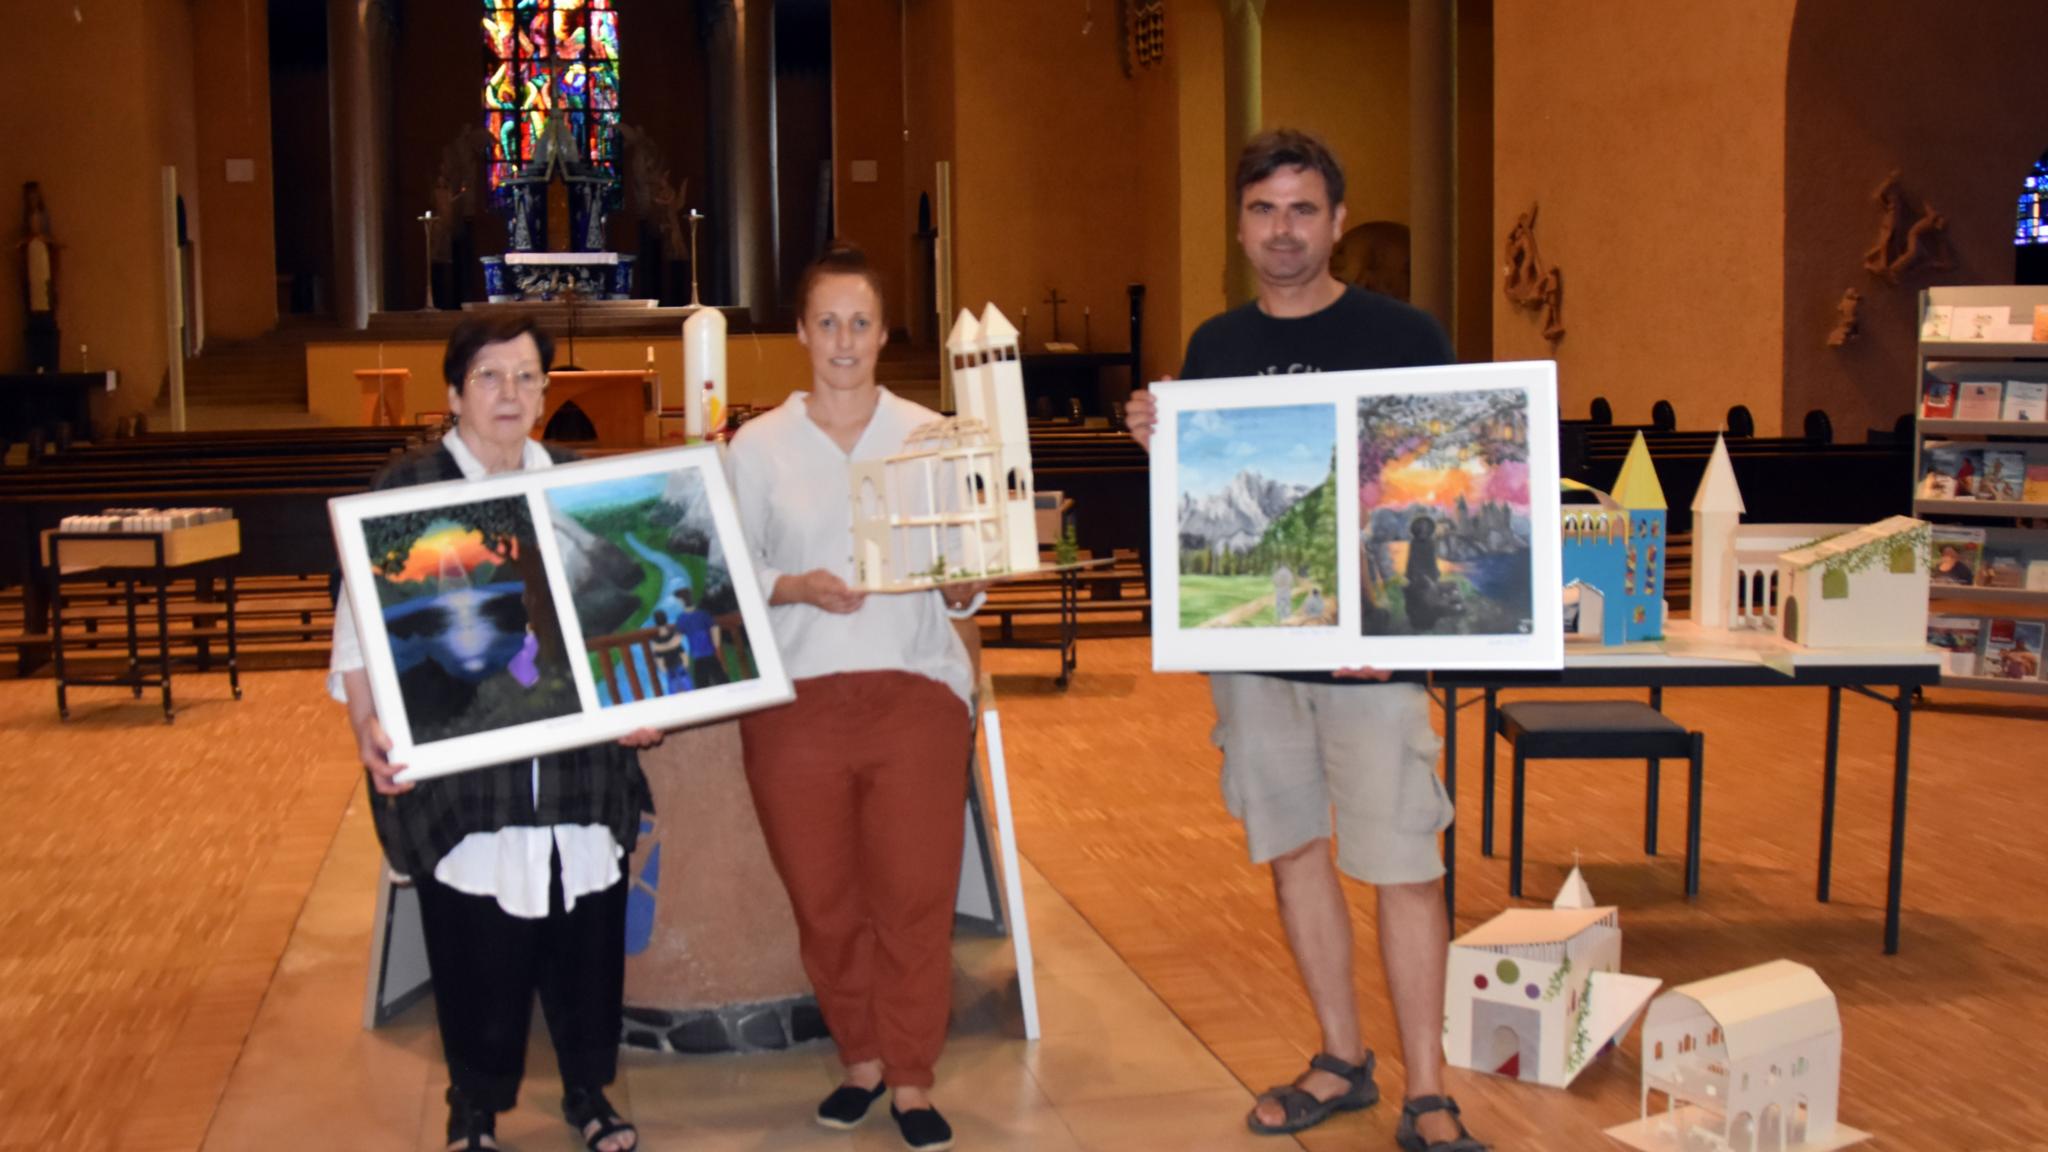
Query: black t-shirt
<point x="1360" y="330"/>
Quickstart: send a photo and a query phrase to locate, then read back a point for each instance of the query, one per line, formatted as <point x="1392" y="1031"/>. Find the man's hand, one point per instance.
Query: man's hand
<point x="1375" y="675"/>
<point x="1141" y="415"/>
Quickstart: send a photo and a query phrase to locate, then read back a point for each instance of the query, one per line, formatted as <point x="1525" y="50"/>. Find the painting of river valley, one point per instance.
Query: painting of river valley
<point x="652" y="592"/>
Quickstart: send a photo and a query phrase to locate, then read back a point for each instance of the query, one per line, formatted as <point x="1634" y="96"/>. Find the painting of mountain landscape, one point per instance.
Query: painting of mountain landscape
<point x="1258" y="517"/>
<point x="1444" y="514"/>
<point x="647" y="573"/>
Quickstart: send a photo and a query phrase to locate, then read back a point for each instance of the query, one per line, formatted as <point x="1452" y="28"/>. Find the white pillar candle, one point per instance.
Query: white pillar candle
<point x="703" y="373"/>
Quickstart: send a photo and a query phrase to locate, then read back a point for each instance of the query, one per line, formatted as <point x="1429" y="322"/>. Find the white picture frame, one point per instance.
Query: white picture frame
<point x="1273" y="423"/>
<point x="451" y="691"/>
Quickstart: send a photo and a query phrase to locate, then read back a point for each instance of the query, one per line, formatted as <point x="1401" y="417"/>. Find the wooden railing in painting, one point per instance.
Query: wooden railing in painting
<point x="615" y="653"/>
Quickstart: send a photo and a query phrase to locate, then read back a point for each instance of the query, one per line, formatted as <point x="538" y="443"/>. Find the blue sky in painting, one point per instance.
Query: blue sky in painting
<point x="1290" y="444"/>
<point x="607" y="493"/>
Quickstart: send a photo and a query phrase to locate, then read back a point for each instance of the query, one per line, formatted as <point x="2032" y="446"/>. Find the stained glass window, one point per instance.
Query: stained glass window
<point x="544" y="56"/>
<point x="2032" y="225"/>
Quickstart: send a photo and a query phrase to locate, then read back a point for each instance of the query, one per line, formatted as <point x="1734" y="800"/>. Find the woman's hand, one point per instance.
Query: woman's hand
<point x="820" y="589"/>
<point x="959" y="596"/>
<point x="374" y="747"/>
<point x="1376" y="675"/>
<point x="643" y="738"/>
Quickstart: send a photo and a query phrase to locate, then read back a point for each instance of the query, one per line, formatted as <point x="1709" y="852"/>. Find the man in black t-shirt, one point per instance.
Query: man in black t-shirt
<point x="1298" y="747"/>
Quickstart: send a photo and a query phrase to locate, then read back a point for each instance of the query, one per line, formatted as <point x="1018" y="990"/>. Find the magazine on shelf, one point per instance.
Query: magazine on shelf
<point x="2002" y="569"/>
<point x="1938" y="399"/>
<point x="2025" y="400"/>
<point x="1980" y="323"/>
<point x="1958" y="554"/>
<point x="1980" y="399"/>
<point x="1937" y="323"/>
<point x="2035" y="491"/>
<point x="1950" y="472"/>
<point x="2012" y="648"/>
<point x="2004" y="476"/>
<point x="1958" y="638"/>
<point x="2037" y="575"/>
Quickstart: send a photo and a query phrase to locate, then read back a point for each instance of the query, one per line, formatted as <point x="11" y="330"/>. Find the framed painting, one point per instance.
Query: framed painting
<point x="1397" y="519"/>
<point x="549" y="609"/>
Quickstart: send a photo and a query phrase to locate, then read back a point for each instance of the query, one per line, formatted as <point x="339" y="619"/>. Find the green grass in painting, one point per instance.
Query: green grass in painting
<point x="1203" y="598"/>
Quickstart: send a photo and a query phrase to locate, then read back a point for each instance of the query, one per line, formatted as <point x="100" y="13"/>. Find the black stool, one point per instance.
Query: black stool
<point x="1603" y="730"/>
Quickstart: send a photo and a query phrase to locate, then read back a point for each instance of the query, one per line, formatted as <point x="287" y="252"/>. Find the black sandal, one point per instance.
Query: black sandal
<point x="468" y="1125"/>
<point x="1302" y="1110"/>
<point x="1413" y="1141"/>
<point x="582" y="1107"/>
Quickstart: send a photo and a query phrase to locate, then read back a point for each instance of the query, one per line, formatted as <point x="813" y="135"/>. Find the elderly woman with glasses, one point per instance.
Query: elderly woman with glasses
<point x="519" y="867"/>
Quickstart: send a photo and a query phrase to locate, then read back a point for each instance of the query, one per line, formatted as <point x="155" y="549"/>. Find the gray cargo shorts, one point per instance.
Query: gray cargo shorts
<point x="1295" y="753"/>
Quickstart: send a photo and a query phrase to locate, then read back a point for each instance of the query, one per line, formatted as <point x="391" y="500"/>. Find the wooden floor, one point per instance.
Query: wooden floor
<point x="151" y="875"/>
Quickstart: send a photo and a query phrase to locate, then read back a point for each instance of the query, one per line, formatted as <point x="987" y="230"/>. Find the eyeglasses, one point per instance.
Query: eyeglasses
<point x="494" y="380"/>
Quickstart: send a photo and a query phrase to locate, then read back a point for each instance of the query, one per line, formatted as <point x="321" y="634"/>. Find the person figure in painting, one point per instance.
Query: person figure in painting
<point x="667" y="647"/>
<point x="859" y="782"/>
<point x="1283" y="593"/>
<point x="1297" y="746"/>
<point x="39" y="279"/>
<point x="518" y="866"/>
<point x="1952" y="568"/>
<point x="700" y="628"/>
<point x="1421" y="597"/>
<point x="1312" y="606"/>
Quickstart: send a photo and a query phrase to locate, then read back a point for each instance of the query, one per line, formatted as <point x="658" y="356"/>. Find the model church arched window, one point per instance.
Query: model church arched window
<point x="543" y="56"/>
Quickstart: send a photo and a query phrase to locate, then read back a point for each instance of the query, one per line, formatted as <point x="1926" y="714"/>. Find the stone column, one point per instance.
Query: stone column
<point x="740" y="58"/>
<point x="1432" y="165"/>
<point x="358" y="79"/>
<point x="1242" y="119"/>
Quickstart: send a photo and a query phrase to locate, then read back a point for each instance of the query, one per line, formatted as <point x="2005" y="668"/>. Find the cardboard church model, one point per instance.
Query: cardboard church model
<point x="1820" y="585"/>
<point x="955" y="503"/>
<point x="1750" y="1061"/>
<point x="1614" y="557"/>
<point x="1537" y="993"/>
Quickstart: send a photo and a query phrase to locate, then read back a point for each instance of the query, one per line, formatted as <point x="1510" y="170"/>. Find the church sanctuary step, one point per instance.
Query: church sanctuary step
<point x="266" y="372"/>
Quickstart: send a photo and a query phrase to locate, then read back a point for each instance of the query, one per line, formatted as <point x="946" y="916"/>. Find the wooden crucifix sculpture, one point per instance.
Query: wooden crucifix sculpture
<point x="1527" y="283"/>
<point x="1054" y="298"/>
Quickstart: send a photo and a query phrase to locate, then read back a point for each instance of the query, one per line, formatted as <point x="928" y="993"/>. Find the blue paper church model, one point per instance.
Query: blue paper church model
<point x="1613" y="552"/>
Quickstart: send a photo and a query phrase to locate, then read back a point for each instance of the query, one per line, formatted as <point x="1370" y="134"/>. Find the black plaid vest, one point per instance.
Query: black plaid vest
<point x="599" y="784"/>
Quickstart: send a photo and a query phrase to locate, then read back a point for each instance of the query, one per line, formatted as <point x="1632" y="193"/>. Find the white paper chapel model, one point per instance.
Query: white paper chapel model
<point x="956" y="502"/>
<point x="1750" y="1061"/>
<point x="1537" y="993"/>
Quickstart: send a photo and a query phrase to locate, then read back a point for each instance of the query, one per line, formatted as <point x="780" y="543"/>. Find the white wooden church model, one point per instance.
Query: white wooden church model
<point x="1750" y="1060"/>
<point x="1536" y="993"/>
<point x="956" y="503"/>
<point x="1820" y="585"/>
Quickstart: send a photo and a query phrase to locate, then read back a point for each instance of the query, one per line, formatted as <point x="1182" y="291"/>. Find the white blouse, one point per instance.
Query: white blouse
<point x="511" y="864"/>
<point x="795" y="496"/>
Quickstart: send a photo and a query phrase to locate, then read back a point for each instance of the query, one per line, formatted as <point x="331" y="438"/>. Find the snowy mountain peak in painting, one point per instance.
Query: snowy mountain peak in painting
<point x="1236" y="518"/>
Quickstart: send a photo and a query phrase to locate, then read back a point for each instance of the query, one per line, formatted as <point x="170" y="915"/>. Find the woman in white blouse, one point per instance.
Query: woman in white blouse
<point x="517" y="866"/>
<point x="860" y="782"/>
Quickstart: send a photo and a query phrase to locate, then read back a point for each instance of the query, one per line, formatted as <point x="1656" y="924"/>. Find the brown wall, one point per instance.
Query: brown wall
<point x="1948" y="95"/>
<point x="1339" y="68"/>
<point x="867" y="124"/>
<point x="231" y="90"/>
<point x="97" y="147"/>
<point x="1474" y="307"/>
<point x="1653" y="137"/>
<point x="1046" y="168"/>
<point x="928" y="77"/>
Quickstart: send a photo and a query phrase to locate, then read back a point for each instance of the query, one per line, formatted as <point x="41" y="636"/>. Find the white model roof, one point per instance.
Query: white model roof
<point x="996" y="327"/>
<point x="966" y="334"/>
<point x="1884" y="529"/>
<point x="1758" y="1009"/>
<point x="1718" y="491"/>
<point x="1521" y="926"/>
<point x="1574" y="894"/>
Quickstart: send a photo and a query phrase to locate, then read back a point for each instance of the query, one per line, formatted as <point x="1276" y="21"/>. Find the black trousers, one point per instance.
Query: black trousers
<point x="487" y="965"/>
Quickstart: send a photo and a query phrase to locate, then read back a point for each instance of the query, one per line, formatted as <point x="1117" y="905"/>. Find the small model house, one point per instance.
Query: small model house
<point x="956" y="503"/>
<point x="1613" y="554"/>
<point x="1745" y="1062"/>
<point x="1865" y="588"/>
<point x="1537" y="993"/>
<point x="1716" y="518"/>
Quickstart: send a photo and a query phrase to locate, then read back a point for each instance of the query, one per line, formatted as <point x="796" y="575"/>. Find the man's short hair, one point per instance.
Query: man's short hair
<point x="1280" y="148"/>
